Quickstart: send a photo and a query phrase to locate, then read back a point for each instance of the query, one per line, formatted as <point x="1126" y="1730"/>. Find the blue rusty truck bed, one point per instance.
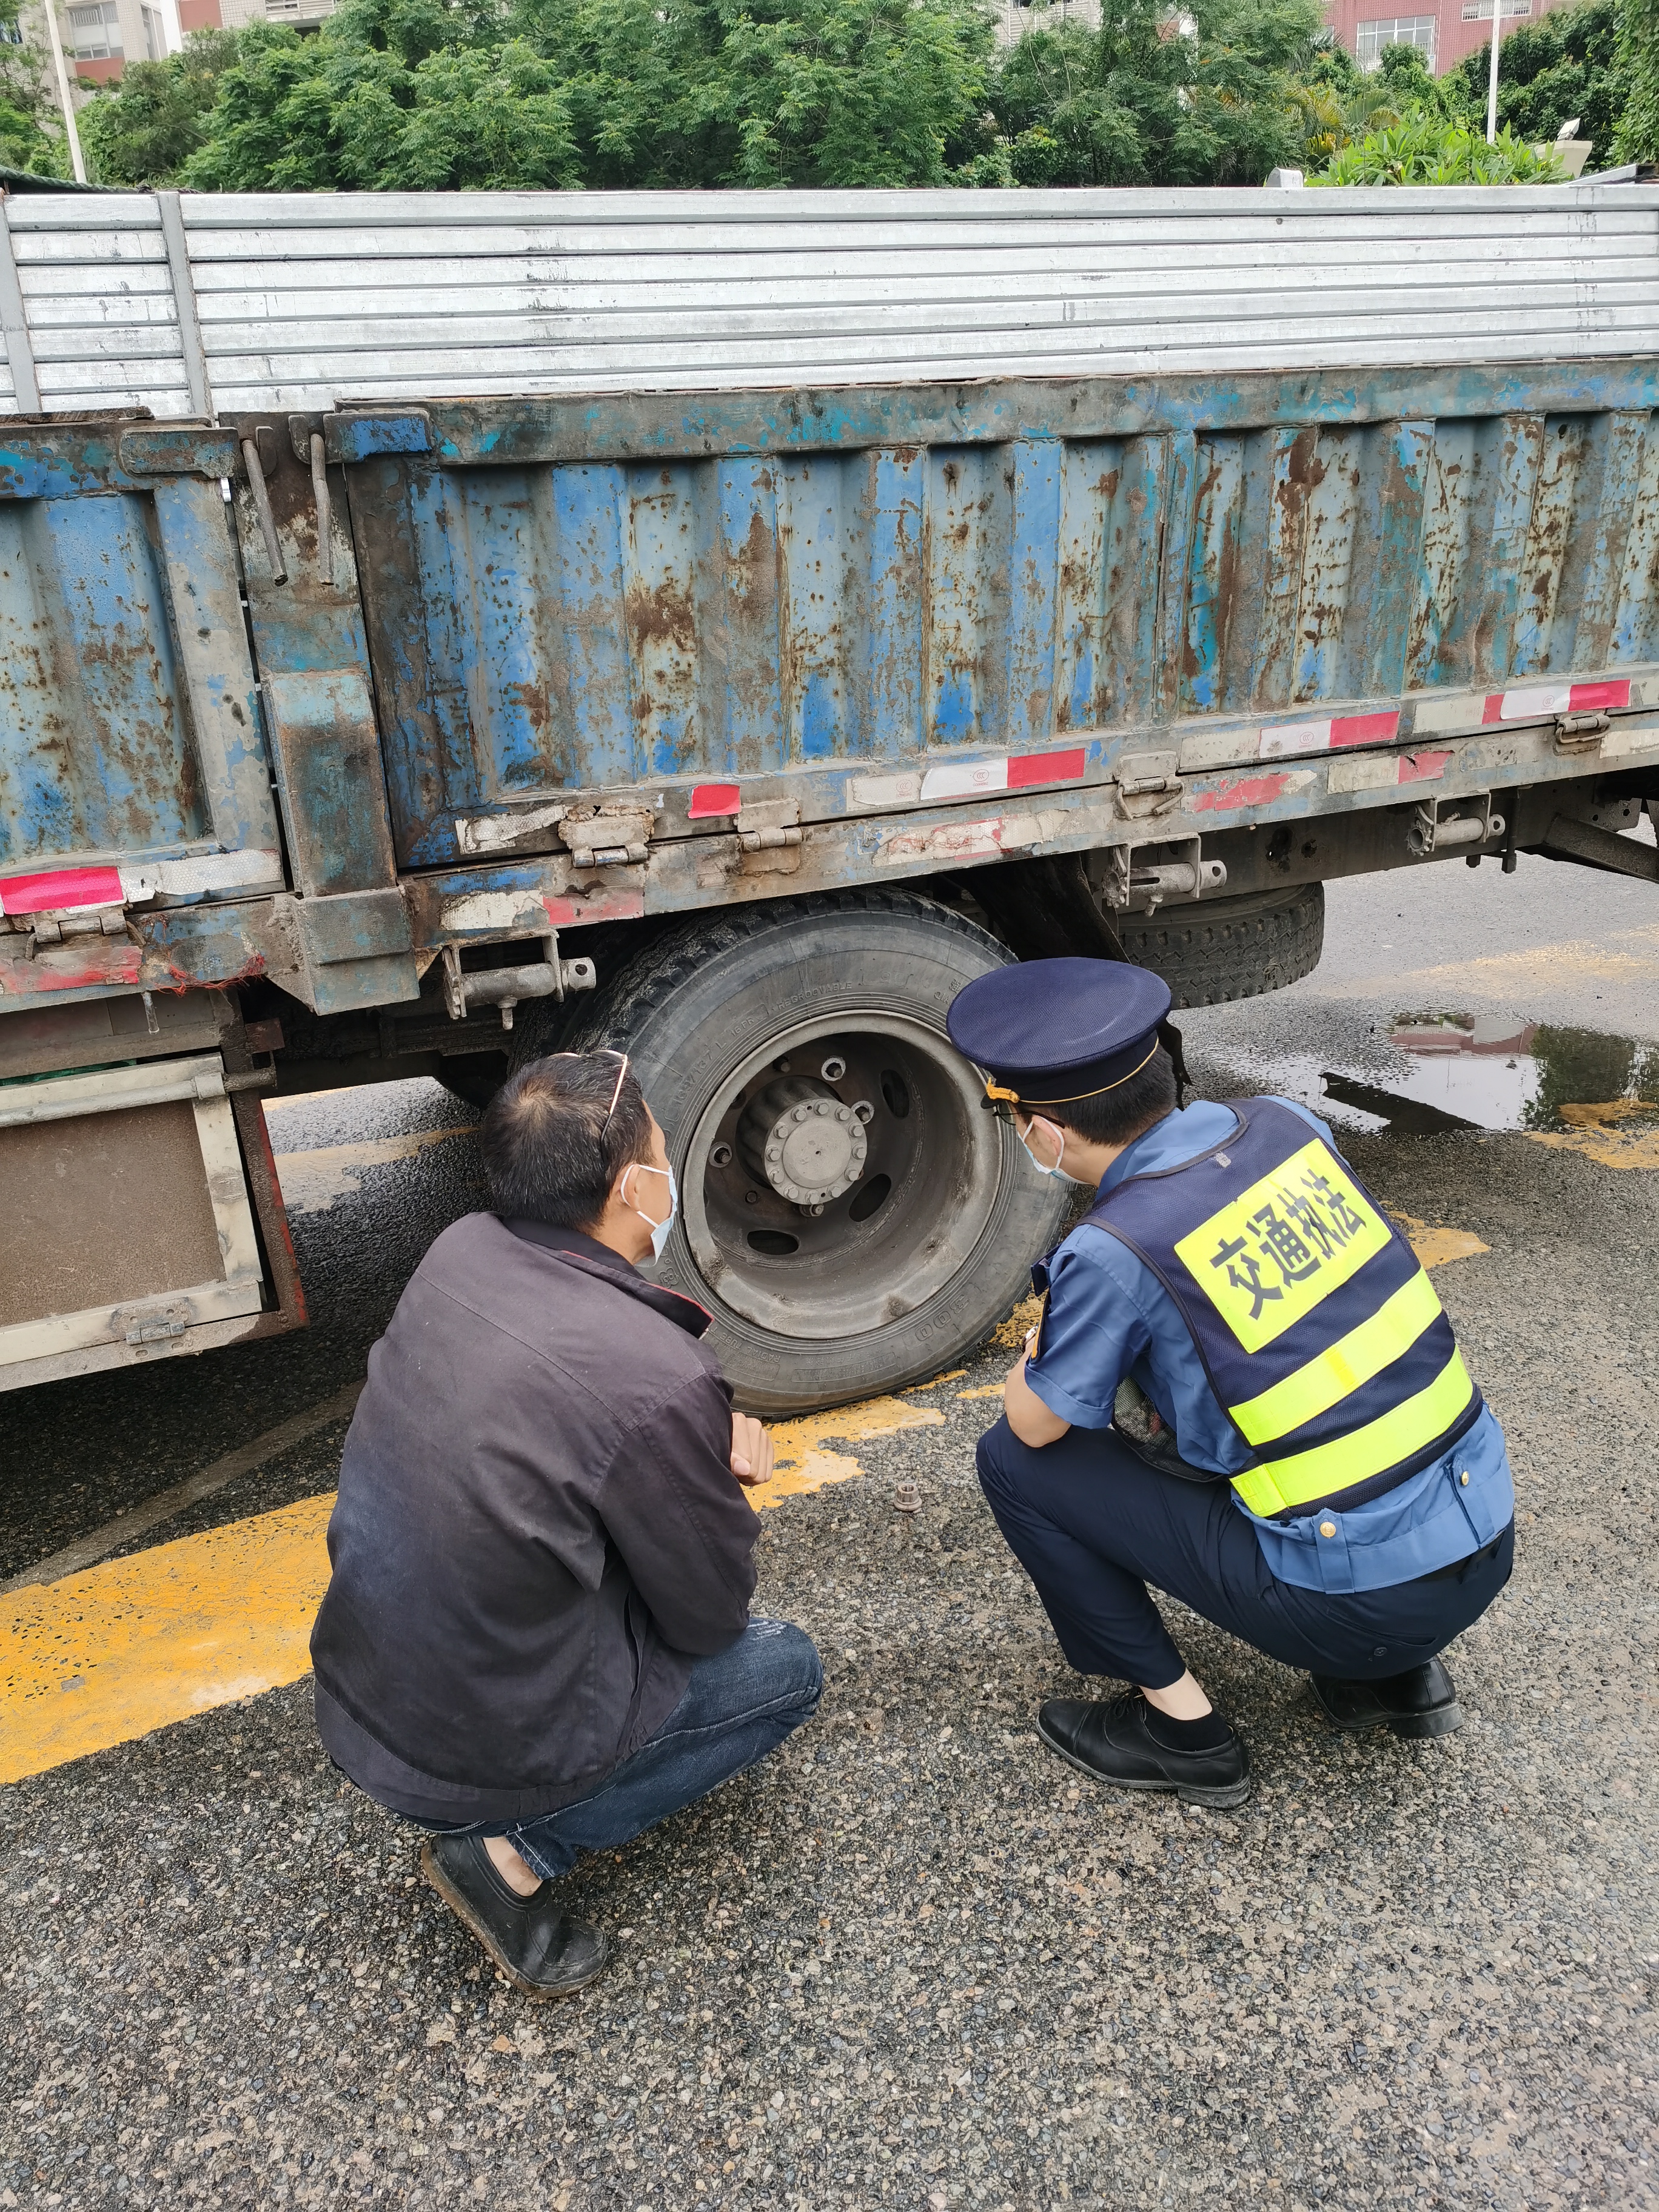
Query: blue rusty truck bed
<point x="559" y="660"/>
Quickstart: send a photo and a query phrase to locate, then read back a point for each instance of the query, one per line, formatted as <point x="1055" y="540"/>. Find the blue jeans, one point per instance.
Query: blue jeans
<point x="737" y="1706"/>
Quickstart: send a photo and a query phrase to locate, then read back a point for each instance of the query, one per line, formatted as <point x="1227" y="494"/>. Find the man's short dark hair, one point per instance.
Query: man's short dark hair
<point x="1117" y="1117"/>
<point x="550" y="1153"/>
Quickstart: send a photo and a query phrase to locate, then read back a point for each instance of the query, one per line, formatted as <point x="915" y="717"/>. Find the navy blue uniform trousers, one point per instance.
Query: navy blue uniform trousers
<point x="1092" y="1525"/>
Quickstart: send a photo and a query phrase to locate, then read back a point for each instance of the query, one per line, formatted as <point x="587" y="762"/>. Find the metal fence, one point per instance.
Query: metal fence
<point x="199" y="303"/>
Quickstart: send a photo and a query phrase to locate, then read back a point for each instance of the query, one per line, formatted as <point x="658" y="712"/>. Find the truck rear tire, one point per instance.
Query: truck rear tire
<point x="1230" y="948"/>
<point x="851" y="1215"/>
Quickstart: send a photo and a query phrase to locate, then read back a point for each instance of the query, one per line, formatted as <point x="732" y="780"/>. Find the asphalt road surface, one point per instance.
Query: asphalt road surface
<point x="913" y="1961"/>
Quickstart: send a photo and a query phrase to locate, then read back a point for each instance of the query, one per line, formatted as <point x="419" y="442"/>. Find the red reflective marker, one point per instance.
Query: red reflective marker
<point x="60" y="887"/>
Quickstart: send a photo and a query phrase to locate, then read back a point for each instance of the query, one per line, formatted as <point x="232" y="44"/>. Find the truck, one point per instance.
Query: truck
<point x="443" y="629"/>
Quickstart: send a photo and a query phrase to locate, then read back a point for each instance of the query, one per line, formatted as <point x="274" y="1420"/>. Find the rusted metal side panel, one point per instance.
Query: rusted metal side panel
<point x="128" y="721"/>
<point x="1387" y="559"/>
<point x="638" y="656"/>
<point x="98" y="750"/>
<point x="769" y="590"/>
<point x="1635" y="625"/>
<point x="967" y="517"/>
<point x="1603" y="559"/>
<point x="888" y="603"/>
<point x="1108" y="558"/>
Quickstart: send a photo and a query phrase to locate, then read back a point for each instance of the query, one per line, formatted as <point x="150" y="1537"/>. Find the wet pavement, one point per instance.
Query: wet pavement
<point x="914" y="1960"/>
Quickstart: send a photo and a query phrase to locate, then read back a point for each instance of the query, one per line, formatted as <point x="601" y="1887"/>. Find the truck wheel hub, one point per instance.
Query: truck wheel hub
<point x="800" y="1137"/>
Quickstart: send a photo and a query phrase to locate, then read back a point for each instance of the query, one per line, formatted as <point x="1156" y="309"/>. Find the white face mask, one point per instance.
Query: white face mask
<point x="660" y="1230"/>
<point x="1057" y="1166"/>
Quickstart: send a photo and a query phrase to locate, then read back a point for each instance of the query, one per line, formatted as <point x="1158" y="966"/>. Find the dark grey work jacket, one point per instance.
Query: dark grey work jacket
<point x="537" y="1528"/>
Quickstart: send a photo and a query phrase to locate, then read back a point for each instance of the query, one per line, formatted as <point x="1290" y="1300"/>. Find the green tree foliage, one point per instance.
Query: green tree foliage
<point x="1423" y="150"/>
<point x="1337" y="102"/>
<point x="146" y="126"/>
<point x="1637" y="136"/>
<point x="406" y="94"/>
<point x="31" y="137"/>
<point x="1404" y="78"/>
<point x="1148" y="100"/>
<point x="1567" y="63"/>
<point x="441" y="94"/>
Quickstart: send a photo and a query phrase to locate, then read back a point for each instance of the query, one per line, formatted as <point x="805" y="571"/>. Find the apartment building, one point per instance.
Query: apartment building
<point x="1445" y="30"/>
<point x="101" y="37"/>
<point x="231" y="14"/>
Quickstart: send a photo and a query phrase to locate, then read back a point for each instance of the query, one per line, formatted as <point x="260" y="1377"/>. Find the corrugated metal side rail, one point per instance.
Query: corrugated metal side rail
<point x="304" y="300"/>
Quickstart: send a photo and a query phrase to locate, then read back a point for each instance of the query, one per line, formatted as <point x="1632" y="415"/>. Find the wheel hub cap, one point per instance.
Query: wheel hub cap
<point x="805" y="1143"/>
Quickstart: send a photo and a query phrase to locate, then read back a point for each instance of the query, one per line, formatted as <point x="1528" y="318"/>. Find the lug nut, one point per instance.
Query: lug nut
<point x="907" y="1499"/>
<point x="833" y="1069"/>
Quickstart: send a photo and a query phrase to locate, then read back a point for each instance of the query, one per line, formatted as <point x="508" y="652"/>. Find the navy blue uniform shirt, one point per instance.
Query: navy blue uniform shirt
<point x="1110" y="1317"/>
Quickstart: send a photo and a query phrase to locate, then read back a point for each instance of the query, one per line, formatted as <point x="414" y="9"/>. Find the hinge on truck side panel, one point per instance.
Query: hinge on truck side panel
<point x="606" y="837"/>
<point x="1147" y="783"/>
<point x="1581" y="733"/>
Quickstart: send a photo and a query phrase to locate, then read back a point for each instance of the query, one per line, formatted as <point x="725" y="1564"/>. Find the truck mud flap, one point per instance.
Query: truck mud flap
<point x="142" y="1220"/>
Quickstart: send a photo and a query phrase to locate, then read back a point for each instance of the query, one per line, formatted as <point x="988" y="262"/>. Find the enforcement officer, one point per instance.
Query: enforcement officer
<point x="1243" y="1389"/>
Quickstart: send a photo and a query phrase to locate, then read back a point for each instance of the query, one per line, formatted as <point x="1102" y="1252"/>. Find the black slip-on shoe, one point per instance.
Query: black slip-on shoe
<point x="1423" y="1703"/>
<point x="1112" y="1742"/>
<point x="536" y="1944"/>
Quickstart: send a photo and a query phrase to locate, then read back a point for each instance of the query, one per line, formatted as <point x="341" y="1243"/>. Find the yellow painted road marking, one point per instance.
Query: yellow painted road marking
<point x="985" y="1390"/>
<point x="1436" y="1247"/>
<point x="312" y="1181"/>
<point x="949" y="1375"/>
<point x="106" y="1657"/>
<point x="801" y="1464"/>
<point x="1598" y="1133"/>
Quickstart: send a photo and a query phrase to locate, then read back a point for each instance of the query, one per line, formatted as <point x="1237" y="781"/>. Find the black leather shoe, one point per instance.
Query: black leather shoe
<point x="1112" y="1742"/>
<point x="533" y="1939"/>
<point x="1420" y="1704"/>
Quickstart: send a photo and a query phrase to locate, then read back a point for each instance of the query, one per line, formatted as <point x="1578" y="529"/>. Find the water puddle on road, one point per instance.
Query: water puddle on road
<point x="1458" y="1071"/>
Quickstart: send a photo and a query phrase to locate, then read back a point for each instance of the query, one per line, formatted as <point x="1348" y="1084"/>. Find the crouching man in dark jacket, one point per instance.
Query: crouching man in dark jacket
<point x="536" y="1640"/>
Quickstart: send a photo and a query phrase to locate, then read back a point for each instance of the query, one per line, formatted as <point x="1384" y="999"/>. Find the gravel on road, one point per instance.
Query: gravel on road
<point x="914" y="1960"/>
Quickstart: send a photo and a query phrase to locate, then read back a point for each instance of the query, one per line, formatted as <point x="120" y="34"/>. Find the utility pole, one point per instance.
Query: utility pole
<point x="1492" y="78"/>
<point x="49" y="10"/>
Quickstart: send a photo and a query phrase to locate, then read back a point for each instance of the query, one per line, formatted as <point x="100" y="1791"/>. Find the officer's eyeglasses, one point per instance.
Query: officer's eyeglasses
<point x="621" y="1073"/>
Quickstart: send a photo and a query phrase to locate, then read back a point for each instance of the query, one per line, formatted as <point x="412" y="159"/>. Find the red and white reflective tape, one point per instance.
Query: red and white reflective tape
<point x="1532" y="700"/>
<point x="1528" y="702"/>
<point x="1014" y="772"/>
<point x="61" y="891"/>
<point x="1330" y="736"/>
<point x="69" y="890"/>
